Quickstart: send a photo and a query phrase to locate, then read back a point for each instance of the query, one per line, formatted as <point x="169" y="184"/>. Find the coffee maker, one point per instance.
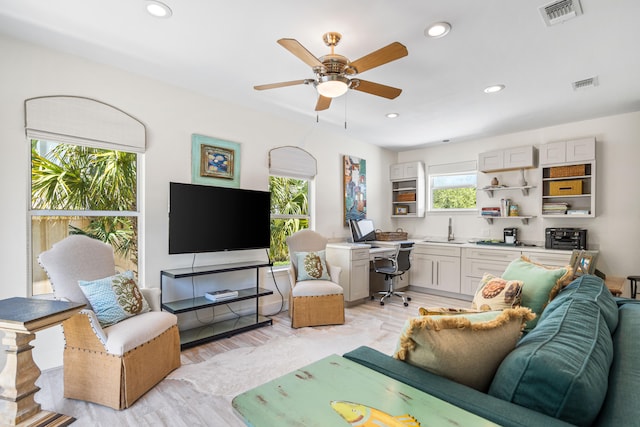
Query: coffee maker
<point x="511" y="235"/>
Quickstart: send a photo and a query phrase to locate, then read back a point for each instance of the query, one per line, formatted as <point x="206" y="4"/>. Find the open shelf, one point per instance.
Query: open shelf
<point x="524" y="219"/>
<point x="222" y="329"/>
<point x="525" y="189"/>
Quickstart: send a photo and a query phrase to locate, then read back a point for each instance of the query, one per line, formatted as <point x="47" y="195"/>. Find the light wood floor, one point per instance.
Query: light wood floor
<point x="177" y="403"/>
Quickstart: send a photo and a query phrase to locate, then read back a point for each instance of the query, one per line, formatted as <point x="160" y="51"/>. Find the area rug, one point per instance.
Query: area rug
<point x="239" y="370"/>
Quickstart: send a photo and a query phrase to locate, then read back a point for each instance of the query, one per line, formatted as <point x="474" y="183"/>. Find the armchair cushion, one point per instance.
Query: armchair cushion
<point x="114" y="298"/>
<point x="310" y="288"/>
<point x="135" y="331"/>
<point x="312" y="266"/>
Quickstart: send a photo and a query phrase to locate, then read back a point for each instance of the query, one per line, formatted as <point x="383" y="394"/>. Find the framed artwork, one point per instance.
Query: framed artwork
<point x="583" y="262"/>
<point x="401" y="209"/>
<point x="215" y="161"/>
<point x="355" y="188"/>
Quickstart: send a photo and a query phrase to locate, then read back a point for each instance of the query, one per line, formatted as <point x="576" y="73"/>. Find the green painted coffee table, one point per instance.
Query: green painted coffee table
<point x="338" y="392"/>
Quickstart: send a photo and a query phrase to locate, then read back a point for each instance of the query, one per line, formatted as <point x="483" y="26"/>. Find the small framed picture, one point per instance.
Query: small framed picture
<point x="216" y="162"/>
<point x="400" y="209"/>
<point x="583" y="262"/>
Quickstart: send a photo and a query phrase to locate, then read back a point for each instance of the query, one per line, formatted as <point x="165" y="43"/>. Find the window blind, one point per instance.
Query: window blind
<point x="292" y="162"/>
<point x="83" y="121"/>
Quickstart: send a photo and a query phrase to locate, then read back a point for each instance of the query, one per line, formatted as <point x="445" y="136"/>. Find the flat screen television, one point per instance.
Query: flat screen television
<point x="204" y="218"/>
<point x="362" y="230"/>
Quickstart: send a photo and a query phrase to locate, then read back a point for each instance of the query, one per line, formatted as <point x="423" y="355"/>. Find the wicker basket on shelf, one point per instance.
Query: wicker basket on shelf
<point x="564" y="171"/>
<point x="391" y="235"/>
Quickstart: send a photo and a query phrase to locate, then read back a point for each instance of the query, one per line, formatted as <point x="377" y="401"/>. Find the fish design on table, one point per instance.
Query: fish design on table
<point x="360" y="415"/>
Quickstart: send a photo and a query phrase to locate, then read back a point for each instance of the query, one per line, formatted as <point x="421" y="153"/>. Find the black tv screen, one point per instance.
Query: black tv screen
<point x="204" y="218"/>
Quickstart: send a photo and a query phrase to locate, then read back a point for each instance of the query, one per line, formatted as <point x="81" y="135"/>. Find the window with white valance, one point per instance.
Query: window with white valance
<point x="84" y="177"/>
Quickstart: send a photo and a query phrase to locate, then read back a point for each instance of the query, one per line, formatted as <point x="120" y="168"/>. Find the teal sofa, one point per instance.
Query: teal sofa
<point x="580" y="365"/>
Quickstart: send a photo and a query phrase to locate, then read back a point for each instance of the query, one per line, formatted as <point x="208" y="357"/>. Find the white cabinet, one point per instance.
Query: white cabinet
<point x="354" y="263"/>
<point x="408" y="189"/>
<point x="436" y="267"/>
<point x="510" y="158"/>
<point x="478" y="261"/>
<point x="405" y="170"/>
<point x="549" y="258"/>
<point x="573" y="151"/>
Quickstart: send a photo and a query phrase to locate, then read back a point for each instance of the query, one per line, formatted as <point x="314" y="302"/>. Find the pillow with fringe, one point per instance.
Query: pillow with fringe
<point x="496" y="293"/>
<point x="435" y="311"/>
<point x="466" y="348"/>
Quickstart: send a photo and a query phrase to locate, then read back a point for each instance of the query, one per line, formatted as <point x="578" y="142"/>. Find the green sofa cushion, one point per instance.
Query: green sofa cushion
<point x="540" y="284"/>
<point x="561" y="367"/>
<point x="591" y="288"/>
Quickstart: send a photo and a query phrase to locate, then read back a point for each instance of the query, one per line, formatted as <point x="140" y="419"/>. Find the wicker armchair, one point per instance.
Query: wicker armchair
<point x="313" y="302"/>
<point x="116" y="365"/>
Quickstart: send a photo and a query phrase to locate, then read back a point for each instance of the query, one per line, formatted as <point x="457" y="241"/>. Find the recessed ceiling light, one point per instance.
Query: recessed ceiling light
<point x="439" y="29"/>
<point x="493" y="88"/>
<point x="158" y="9"/>
<point x="391" y="115"/>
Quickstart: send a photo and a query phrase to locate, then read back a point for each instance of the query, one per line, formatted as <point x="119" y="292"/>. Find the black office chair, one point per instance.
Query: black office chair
<point x="391" y="267"/>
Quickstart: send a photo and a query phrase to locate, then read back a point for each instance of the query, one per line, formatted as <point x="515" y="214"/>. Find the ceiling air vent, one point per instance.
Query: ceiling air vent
<point x="585" y="83"/>
<point x="560" y="11"/>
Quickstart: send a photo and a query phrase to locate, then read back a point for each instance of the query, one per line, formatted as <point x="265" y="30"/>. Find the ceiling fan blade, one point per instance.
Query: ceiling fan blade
<point x="388" y="92"/>
<point x="294" y="46"/>
<point x="323" y="103"/>
<point x="277" y="85"/>
<point x="381" y="56"/>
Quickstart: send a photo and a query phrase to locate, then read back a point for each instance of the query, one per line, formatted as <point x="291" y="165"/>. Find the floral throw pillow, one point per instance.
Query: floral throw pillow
<point x="114" y="298"/>
<point x="496" y="293"/>
<point x="312" y="266"/>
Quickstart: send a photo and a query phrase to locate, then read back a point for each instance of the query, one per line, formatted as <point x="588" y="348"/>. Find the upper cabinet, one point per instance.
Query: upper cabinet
<point x="569" y="178"/>
<point x="408" y="189"/>
<point x="574" y="151"/>
<point x="509" y="158"/>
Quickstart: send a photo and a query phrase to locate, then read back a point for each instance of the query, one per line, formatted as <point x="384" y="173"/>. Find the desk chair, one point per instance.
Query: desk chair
<point x="394" y="266"/>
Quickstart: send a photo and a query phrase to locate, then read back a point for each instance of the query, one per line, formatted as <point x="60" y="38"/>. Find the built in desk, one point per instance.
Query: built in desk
<point x="20" y="319"/>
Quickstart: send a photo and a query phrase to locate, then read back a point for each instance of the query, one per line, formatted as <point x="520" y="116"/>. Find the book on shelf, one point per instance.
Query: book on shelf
<point x="220" y="295"/>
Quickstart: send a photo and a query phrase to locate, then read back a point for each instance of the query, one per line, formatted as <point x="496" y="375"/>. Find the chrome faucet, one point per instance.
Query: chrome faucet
<point x="450" y="233"/>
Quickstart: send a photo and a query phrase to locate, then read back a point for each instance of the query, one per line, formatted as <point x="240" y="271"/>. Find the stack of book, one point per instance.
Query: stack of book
<point x="490" y="211"/>
<point x="221" y="295"/>
<point x="556" y="208"/>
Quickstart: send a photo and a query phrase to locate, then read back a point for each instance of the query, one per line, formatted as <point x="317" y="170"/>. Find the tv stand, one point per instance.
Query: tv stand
<point x="218" y="329"/>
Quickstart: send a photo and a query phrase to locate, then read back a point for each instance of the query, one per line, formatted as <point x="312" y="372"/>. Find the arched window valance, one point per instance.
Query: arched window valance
<point x="83" y="121"/>
<point x="292" y="161"/>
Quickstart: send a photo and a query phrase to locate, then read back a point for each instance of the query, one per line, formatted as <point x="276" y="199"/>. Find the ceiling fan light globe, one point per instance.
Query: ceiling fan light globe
<point x="333" y="86"/>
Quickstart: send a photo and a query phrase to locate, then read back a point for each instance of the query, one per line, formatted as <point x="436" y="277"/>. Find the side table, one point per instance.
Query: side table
<point x="20" y="319"/>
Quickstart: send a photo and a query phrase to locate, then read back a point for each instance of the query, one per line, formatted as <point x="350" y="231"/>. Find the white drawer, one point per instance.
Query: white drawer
<point x="491" y="254"/>
<point x="552" y="259"/>
<point x="359" y="254"/>
<point x="443" y="250"/>
<point x="477" y="267"/>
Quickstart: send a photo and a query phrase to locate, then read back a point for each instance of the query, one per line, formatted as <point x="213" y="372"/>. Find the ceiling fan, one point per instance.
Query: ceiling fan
<point x="334" y="74"/>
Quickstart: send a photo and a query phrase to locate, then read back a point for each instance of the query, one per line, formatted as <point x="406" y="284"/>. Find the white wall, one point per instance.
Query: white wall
<point x="171" y="115"/>
<point x="615" y="230"/>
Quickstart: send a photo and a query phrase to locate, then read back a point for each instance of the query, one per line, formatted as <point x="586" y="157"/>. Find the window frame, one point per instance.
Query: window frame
<point x="77" y="213"/>
<point x="451" y="169"/>
<point x="310" y="204"/>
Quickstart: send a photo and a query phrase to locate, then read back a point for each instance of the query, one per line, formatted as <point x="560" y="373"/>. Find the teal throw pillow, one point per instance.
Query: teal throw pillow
<point x="561" y="368"/>
<point x="114" y="298"/>
<point x="312" y="266"/>
<point x="540" y="284"/>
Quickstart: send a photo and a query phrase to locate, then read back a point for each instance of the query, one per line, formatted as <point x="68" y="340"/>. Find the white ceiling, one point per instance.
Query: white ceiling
<point x="223" y="48"/>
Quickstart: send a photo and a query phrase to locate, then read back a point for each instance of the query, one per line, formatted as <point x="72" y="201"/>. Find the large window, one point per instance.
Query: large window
<point x="452" y="187"/>
<point x="289" y="213"/>
<point x="82" y="190"/>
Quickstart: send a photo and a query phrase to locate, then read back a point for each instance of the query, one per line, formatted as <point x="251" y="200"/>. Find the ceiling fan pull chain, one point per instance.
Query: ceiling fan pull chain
<point x="345" y="110"/>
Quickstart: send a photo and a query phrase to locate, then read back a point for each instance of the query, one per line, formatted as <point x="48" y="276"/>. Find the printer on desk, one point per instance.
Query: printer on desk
<point x="565" y="238"/>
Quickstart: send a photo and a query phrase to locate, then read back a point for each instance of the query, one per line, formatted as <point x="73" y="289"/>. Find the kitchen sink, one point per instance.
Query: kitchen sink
<point x="448" y="242"/>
